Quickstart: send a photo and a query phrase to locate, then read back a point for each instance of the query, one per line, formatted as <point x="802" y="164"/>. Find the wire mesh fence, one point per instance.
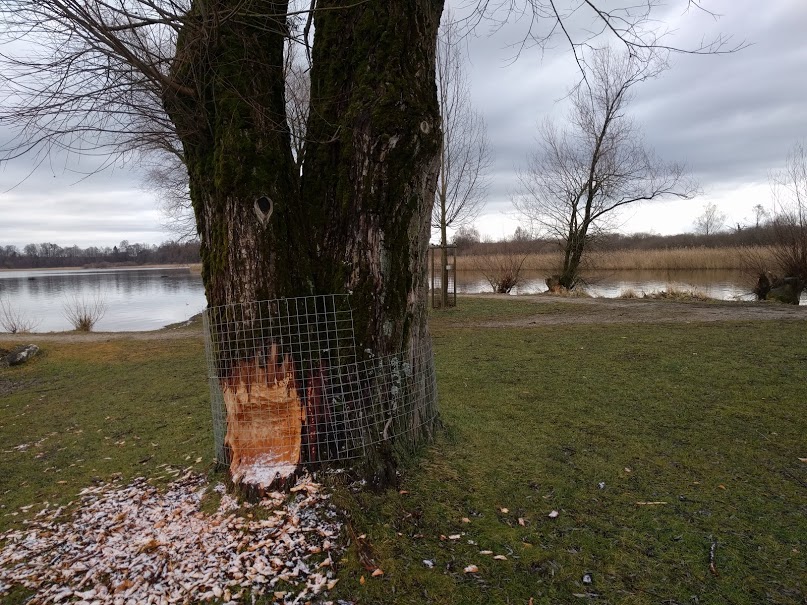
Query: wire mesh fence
<point x="288" y="387"/>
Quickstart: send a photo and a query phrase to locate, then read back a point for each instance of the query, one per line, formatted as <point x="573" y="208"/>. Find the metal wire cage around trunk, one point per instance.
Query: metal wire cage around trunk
<point x="288" y="387"/>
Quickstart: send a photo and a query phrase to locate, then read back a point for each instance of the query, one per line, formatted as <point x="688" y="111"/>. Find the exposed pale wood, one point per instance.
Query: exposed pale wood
<point x="264" y="421"/>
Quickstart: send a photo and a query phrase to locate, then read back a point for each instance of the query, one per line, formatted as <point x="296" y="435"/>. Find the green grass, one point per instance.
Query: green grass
<point x="707" y="418"/>
<point x="473" y="310"/>
<point x="89" y="411"/>
<point x="710" y="419"/>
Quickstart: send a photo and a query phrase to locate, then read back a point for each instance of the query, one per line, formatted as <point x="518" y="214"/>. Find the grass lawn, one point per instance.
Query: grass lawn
<point x="87" y="411"/>
<point x="588" y="421"/>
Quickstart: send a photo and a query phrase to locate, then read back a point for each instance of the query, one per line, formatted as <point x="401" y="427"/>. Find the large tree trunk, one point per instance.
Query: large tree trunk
<point x="371" y="170"/>
<point x="360" y="226"/>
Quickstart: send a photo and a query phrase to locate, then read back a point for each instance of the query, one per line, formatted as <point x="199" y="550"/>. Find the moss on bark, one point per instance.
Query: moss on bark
<point x="374" y="130"/>
<point x="237" y="148"/>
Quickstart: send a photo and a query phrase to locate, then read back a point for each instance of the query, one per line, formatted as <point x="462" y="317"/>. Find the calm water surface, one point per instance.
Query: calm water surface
<point x="135" y="299"/>
<point x="148" y="299"/>
<point x="723" y="285"/>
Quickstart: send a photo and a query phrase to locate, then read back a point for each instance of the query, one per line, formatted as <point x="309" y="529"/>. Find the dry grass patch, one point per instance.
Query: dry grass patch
<point x="672" y="259"/>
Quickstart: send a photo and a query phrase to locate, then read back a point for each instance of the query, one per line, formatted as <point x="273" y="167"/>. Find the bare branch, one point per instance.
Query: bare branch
<point x="584" y="24"/>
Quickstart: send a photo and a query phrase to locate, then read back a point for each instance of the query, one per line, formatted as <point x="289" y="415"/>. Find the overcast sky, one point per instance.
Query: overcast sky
<point x="730" y="118"/>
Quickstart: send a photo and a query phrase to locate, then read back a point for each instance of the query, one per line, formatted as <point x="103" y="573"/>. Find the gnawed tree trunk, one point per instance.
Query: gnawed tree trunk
<point x="245" y="193"/>
<point x="360" y="226"/>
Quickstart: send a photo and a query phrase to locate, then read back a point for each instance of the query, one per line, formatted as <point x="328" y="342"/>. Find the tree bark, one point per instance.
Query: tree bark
<point x="372" y="161"/>
<point x="237" y="150"/>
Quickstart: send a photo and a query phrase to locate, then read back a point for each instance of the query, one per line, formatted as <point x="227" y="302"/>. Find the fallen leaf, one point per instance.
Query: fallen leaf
<point x="455" y="537"/>
<point x="627" y="470"/>
<point x="198" y="460"/>
<point x="485" y="552"/>
<point x="721" y="486"/>
<point x="500" y="558"/>
<point x="466" y="520"/>
<point x="378" y="572"/>
<point x="403" y="492"/>
<point x="553" y="514"/>
<point x="362" y="580"/>
<point x="428" y="563"/>
<point x="332" y="583"/>
<point x="471" y="569"/>
<point x="521" y="522"/>
<point x="504" y="510"/>
<point x="650" y="503"/>
<point x="803" y="459"/>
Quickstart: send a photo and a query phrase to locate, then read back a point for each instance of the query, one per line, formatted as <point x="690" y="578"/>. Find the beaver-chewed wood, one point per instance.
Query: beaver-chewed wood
<point x="264" y="421"/>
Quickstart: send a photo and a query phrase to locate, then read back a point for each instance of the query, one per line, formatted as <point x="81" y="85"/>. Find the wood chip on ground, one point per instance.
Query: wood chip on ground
<point x="137" y="544"/>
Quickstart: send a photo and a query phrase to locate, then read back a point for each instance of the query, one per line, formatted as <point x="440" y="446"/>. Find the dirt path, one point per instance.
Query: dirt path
<point x="613" y="310"/>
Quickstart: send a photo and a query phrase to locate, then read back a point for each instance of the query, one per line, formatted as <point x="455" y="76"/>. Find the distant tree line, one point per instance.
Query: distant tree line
<point x="48" y="255"/>
<point x="468" y="240"/>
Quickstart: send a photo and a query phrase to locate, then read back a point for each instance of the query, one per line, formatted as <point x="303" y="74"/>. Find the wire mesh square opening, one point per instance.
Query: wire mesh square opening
<point x="288" y="387"/>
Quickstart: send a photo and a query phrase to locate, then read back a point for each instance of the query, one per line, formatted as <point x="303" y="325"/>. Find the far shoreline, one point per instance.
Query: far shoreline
<point x="191" y="267"/>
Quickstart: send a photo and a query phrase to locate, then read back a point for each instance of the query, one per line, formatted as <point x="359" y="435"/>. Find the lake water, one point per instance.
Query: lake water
<point x="135" y="299"/>
<point x="148" y="299"/>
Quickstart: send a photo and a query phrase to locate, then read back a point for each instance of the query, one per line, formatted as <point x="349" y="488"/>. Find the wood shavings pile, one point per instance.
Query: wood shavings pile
<point x="135" y="544"/>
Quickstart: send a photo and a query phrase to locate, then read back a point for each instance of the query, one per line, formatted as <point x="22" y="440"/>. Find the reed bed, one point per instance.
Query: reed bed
<point x="668" y="259"/>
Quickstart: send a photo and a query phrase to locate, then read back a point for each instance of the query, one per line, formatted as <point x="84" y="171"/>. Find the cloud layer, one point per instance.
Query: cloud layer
<point x="730" y="118"/>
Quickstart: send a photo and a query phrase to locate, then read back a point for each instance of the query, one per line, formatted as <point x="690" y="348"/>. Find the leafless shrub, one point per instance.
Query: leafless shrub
<point x="503" y="271"/>
<point x="14" y="321"/>
<point x="629" y="293"/>
<point x="84" y="313"/>
<point x="673" y="293"/>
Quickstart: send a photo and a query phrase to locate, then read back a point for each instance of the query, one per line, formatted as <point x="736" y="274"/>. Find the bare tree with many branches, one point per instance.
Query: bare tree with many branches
<point x="465" y="153"/>
<point x="580" y="176"/>
<point x="787" y="278"/>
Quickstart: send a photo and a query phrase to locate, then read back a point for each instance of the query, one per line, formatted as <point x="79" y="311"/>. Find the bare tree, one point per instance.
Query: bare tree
<point x="580" y="176"/>
<point x="760" y="214"/>
<point x="787" y="279"/>
<point x="298" y="100"/>
<point x="465" y="154"/>
<point x="711" y="220"/>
